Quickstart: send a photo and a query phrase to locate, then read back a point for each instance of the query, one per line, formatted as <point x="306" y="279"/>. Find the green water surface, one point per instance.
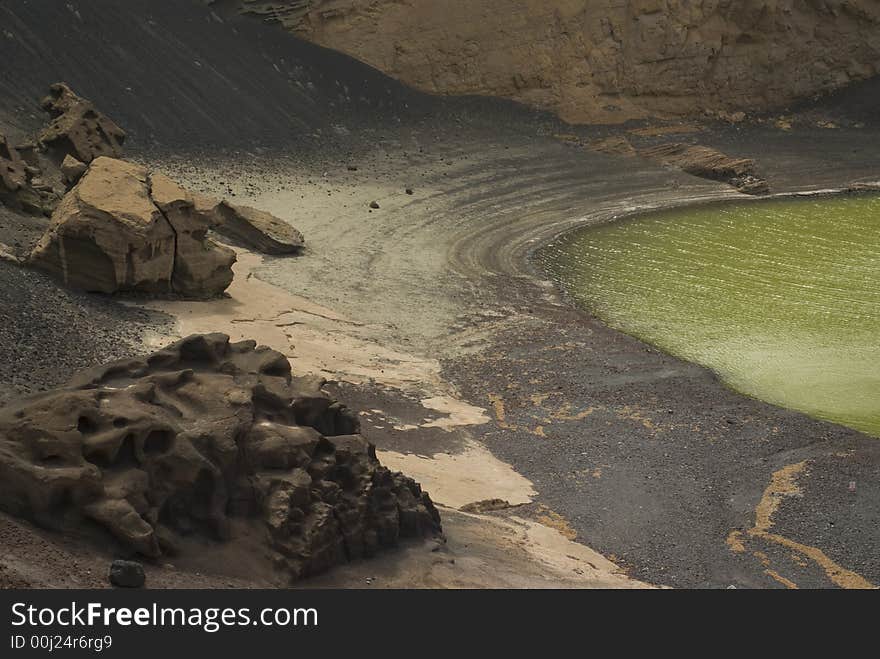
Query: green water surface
<point x="780" y="298"/>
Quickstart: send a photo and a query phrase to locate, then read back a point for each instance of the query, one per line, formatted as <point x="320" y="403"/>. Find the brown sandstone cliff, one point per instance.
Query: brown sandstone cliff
<point x="602" y="60"/>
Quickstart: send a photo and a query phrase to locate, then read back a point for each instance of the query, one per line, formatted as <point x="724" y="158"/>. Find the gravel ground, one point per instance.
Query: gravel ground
<point x="48" y="333"/>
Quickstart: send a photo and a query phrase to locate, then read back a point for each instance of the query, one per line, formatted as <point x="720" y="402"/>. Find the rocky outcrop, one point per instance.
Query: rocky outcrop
<point x="207" y="439"/>
<point x="119" y="229"/>
<point x="77" y="128"/>
<point x="201" y="267"/>
<point x="255" y="229"/>
<point x="76" y="135"/>
<point x="21" y="185"/>
<point x="603" y="60"/>
<point x="614" y="145"/>
<point x="709" y="163"/>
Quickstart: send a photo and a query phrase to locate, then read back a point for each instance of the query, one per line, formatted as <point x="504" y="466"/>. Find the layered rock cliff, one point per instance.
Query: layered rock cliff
<point x="602" y="60"/>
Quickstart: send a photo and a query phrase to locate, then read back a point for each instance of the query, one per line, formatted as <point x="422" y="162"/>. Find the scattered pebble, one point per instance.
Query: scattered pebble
<point x="127" y="574"/>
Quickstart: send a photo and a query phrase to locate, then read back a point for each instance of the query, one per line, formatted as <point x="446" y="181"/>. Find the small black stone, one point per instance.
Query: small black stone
<point x="374" y="204"/>
<point x="127" y="574"/>
<point x="409" y="191"/>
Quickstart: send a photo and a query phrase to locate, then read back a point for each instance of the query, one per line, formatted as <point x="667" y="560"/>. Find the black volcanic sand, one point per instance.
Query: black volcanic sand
<point x="668" y="462"/>
<point x="48" y="333"/>
<point x="651" y="461"/>
<point x="182" y="77"/>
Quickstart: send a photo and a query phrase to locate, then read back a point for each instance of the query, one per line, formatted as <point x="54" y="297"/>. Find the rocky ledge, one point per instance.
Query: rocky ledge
<point x="710" y="163"/>
<point x="210" y="440"/>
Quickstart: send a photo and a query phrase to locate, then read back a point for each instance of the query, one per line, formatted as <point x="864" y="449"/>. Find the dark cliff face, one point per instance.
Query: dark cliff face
<point x="602" y="60"/>
<point x="175" y="72"/>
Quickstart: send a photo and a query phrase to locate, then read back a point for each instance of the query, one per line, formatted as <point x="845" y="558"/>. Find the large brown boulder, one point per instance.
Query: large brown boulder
<point x="207" y="439"/>
<point x="255" y="229"/>
<point x="107" y="234"/>
<point x="119" y="229"/>
<point x="78" y="128"/>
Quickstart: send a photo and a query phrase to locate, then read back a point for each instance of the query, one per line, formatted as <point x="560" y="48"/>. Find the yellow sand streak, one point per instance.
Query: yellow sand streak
<point x="784" y="483"/>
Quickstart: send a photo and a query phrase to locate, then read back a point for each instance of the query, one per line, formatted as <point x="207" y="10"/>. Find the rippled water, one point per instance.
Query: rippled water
<point x="781" y="298"/>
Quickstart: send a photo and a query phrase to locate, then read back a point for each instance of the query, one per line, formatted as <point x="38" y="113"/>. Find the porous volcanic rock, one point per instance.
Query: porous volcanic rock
<point x="206" y="438"/>
<point x="119" y="229"/>
<point x="13" y="176"/>
<point x="78" y="128"/>
<point x="33" y="175"/>
<point x="602" y="61"/>
<point x="255" y="229"/>
<point x="20" y="185"/>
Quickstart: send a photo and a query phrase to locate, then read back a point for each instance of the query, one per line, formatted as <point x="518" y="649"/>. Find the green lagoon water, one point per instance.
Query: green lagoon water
<point x="780" y="298"/>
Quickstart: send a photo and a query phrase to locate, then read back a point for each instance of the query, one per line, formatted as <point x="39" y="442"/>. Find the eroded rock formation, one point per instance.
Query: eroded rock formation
<point x="122" y="229"/>
<point x="78" y="128"/>
<point x="255" y="229"/>
<point x="602" y="60"/>
<point x="33" y="175"/>
<point x="206" y="438"/>
<point x="706" y="162"/>
<point x="22" y="187"/>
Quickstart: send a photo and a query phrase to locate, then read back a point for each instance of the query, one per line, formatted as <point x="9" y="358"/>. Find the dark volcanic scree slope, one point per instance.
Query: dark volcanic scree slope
<point x="174" y="73"/>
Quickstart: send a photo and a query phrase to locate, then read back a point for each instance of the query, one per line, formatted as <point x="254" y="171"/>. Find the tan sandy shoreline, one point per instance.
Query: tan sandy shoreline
<point x="370" y="330"/>
<point x="385" y="299"/>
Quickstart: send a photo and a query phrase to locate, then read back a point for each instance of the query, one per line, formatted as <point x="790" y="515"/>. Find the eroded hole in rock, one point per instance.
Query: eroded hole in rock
<point x="203" y="491"/>
<point x="197" y="350"/>
<point x="277" y="368"/>
<point x="126" y="455"/>
<point x="175" y="515"/>
<point x="108" y="453"/>
<point x="85" y="425"/>
<point x="58" y="501"/>
<point x="158" y="441"/>
<point x="120" y="422"/>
